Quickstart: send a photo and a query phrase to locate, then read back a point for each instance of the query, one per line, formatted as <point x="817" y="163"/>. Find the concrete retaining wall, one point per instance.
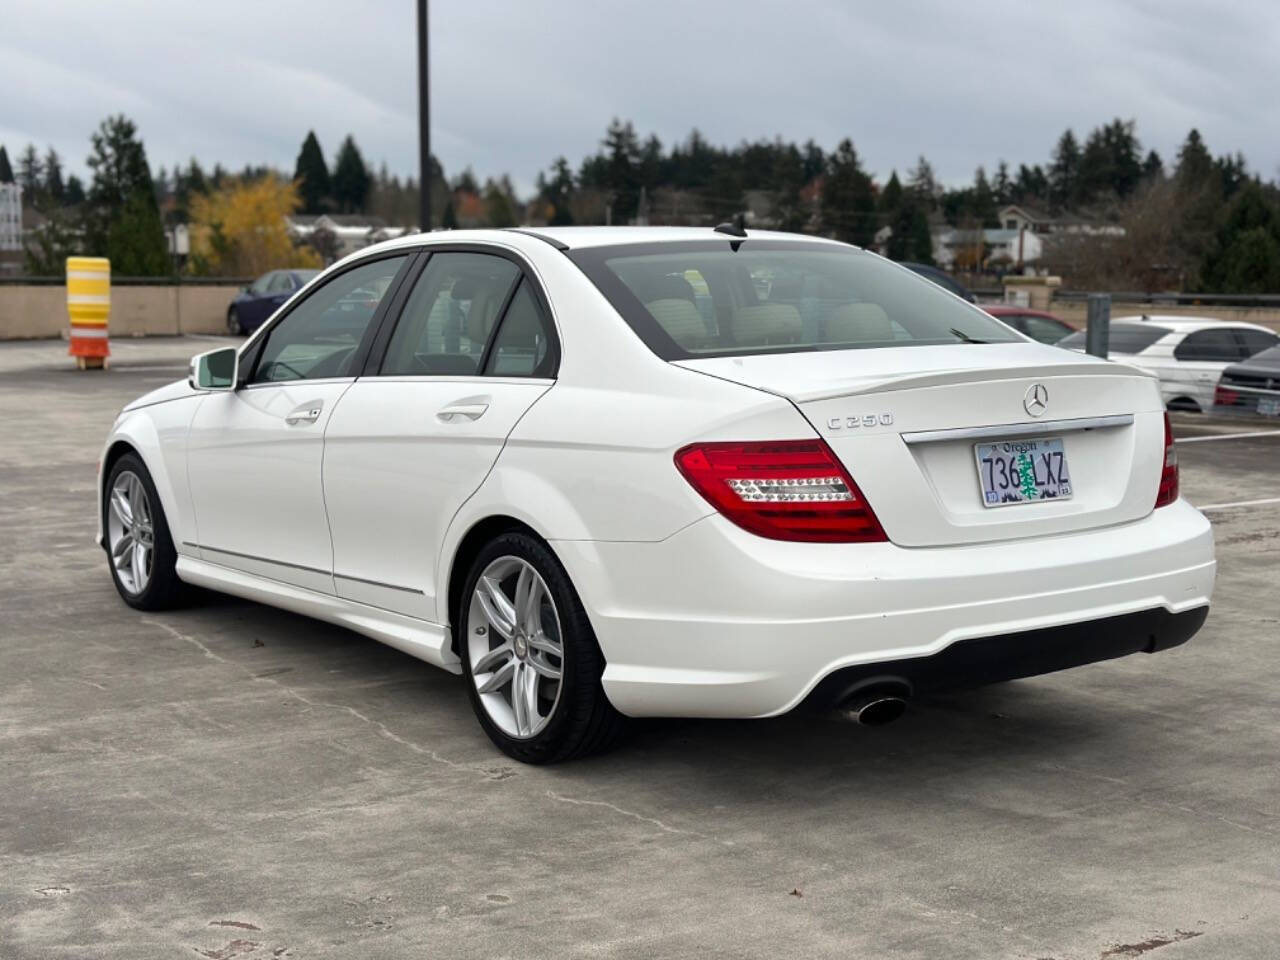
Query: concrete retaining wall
<point x="33" y="311"/>
<point x="36" y="311"/>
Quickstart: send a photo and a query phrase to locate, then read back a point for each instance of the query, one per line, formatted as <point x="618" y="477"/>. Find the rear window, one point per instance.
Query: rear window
<point x="1125" y="338"/>
<point x="704" y="299"/>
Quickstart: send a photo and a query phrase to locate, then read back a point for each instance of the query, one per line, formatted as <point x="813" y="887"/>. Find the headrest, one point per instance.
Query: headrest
<point x="669" y="287"/>
<point x="859" y="323"/>
<point x="681" y="320"/>
<point x="765" y="323"/>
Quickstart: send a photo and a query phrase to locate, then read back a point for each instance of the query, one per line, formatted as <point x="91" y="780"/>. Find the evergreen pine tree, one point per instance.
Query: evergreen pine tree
<point x="351" y="180"/>
<point x="1153" y="166"/>
<point x="30" y="174"/>
<point x="1195" y="165"/>
<point x="848" y="197"/>
<point x="1064" y="172"/>
<point x="54" y="188"/>
<point x="312" y="174"/>
<point x="1001" y="185"/>
<point x="6" y="171"/>
<point x="123" y="222"/>
<point x="75" y="191"/>
<point x="983" y="203"/>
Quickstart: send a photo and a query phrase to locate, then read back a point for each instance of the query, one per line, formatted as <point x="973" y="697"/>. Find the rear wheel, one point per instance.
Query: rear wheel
<point x="140" y="550"/>
<point x="530" y="657"/>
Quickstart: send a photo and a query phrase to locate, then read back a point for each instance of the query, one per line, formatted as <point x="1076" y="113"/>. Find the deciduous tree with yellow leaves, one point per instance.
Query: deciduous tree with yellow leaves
<point x="239" y="230"/>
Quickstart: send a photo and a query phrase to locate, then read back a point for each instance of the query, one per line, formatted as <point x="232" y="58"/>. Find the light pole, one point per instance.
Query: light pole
<point x="424" y="124"/>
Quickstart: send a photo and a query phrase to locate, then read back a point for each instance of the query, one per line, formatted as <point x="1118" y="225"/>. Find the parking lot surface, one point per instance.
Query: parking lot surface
<point x="233" y="781"/>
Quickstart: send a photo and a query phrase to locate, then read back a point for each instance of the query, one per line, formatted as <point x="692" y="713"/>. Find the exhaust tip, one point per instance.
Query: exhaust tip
<point x="878" y="711"/>
<point x="876" y="701"/>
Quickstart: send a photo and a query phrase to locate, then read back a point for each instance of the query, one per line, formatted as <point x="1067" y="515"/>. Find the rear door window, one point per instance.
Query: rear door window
<point x="1124" y="338"/>
<point x="523" y="346"/>
<point x="1255" y="341"/>
<point x="1218" y="345"/>
<point x="450" y="315"/>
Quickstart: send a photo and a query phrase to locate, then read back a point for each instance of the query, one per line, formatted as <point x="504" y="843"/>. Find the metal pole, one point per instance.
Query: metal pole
<point x="1098" y="336"/>
<point x="424" y="123"/>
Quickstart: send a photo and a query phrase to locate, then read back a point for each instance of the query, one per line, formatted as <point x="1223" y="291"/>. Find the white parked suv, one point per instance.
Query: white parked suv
<point x="612" y="472"/>
<point x="1188" y="354"/>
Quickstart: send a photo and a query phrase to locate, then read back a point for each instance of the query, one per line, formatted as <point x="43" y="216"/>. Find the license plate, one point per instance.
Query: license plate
<point x="1269" y="406"/>
<point x="1022" y="471"/>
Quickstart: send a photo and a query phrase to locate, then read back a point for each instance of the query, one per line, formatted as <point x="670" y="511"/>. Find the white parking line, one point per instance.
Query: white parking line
<point x="1230" y="436"/>
<point x="1239" y="503"/>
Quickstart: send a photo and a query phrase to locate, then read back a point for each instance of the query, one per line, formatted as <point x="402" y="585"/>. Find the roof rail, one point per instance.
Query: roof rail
<point x="543" y="237"/>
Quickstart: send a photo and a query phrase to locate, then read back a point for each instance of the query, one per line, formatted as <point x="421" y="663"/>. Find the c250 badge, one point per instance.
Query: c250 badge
<point x="866" y="420"/>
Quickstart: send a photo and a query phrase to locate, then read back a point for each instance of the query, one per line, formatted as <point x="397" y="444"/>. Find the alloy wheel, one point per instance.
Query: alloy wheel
<point x="130" y="532"/>
<point x="514" y="647"/>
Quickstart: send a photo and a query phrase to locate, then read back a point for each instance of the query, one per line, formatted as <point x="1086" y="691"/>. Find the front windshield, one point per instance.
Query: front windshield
<point x="704" y="299"/>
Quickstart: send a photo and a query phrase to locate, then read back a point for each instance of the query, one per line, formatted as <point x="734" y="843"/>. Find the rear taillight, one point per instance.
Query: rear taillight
<point x="1225" y="398"/>
<point x="782" y="489"/>
<point x="1168" y="491"/>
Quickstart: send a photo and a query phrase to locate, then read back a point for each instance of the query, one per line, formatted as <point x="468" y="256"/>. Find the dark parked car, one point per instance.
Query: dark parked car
<point x="252" y="305"/>
<point x="1036" y="324"/>
<point x="1251" y="386"/>
<point x="942" y="279"/>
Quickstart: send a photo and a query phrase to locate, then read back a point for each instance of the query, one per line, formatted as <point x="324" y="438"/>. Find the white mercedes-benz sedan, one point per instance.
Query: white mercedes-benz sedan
<point x="633" y="472"/>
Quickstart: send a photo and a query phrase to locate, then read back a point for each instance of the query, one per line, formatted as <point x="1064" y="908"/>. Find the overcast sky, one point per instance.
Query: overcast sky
<point x="516" y="83"/>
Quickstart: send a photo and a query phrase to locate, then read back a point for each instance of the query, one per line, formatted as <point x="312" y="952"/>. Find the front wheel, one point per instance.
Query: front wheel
<point x="530" y="657"/>
<point x="136" y="535"/>
<point x="234" y="326"/>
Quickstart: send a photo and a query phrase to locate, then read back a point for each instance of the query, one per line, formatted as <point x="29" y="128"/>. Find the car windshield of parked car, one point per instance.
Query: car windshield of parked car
<point x="1124" y="337"/>
<point x="707" y="299"/>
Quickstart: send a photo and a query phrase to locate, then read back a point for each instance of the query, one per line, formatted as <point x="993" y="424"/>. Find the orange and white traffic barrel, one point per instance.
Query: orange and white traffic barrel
<point x="89" y="306"/>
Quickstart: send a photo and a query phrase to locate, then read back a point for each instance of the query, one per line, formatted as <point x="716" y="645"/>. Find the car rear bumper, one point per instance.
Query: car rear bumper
<point x="716" y="622"/>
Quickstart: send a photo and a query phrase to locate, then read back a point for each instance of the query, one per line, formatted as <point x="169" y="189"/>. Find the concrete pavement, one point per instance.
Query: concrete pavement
<point x="233" y="781"/>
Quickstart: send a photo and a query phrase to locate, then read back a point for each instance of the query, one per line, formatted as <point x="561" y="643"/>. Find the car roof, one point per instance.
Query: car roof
<point x="576" y="238"/>
<point x="1185" y="324"/>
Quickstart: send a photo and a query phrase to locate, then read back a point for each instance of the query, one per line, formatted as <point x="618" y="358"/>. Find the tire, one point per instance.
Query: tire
<point x="234" y="327"/>
<point x="150" y="557"/>
<point x="579" y="720"/>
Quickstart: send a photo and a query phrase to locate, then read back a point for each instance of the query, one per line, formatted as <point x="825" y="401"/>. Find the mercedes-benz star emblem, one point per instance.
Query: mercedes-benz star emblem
<point x="1037" y="399"/>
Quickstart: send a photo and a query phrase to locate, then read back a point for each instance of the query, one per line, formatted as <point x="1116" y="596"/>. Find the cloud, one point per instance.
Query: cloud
<point x="517" y="84"/>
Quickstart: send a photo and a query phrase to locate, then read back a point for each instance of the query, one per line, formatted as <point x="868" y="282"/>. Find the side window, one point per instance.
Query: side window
<point x="319" y="337"/>
<point x="448" y="318"/>
<point x="523" y="345"/>
<point x="1043" y="329"/>
<point x="263" y="283"/>
<point x="1255" y="341"/>
<point x="281" y="282"/>
<point x="1209" y="346"/>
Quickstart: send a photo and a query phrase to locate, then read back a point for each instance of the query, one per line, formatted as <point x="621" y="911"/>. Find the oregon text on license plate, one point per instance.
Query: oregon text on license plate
<point x="1022" y="471"/>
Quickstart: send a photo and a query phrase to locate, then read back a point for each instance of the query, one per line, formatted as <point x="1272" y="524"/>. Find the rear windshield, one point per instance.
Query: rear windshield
<point x="704" y="299"/>
<point x="1125" y="338"/>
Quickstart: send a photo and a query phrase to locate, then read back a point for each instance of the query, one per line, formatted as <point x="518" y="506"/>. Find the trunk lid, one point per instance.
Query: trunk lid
<point x="905" y="422"/>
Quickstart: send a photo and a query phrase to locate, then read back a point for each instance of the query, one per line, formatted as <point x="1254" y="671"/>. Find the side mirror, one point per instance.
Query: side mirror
<point x="215" y="370"/>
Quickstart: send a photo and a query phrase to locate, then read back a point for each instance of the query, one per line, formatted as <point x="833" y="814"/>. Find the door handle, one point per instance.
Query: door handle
<point x="458" y="412"/>
<point x="307" y="413"/>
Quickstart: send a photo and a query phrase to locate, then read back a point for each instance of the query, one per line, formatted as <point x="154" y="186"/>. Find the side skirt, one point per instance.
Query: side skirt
<point x="418" y="638"/>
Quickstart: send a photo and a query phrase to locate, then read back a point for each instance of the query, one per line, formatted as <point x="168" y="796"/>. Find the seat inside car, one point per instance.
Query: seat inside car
<point x="765" y="323"/>
<point x="671" y="301"/>
<point x="860" y="323"/>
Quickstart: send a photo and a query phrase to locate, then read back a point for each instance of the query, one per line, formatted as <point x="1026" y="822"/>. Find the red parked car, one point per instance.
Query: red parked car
<point x="1036" y="324"/>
